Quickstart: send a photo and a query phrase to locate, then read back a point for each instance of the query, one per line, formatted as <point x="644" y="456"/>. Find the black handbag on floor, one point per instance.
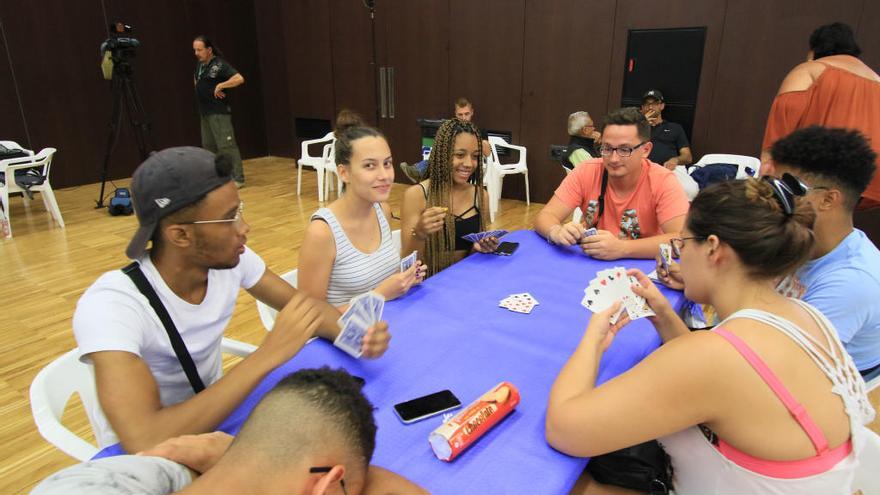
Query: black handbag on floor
<point x="644" y="467"/>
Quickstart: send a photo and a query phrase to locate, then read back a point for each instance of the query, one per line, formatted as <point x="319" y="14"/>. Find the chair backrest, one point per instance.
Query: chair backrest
<point x="741" y="161"/>
<point x="329" y="156"/>
<point x="496" y="142"/>
<point x="50" y="391"/>
<point x="304" y="152"/>
<point x="42" y="160"/>
<point x="267" y="313"/>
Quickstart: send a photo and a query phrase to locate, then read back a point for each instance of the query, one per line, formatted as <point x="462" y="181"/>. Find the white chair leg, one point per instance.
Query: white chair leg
<point x="320" y="174"/>
<point x="4" y="198"/>
<point x="527" y="187"/>
<point x="299" y="177"/>
<point x="52" y="204"/>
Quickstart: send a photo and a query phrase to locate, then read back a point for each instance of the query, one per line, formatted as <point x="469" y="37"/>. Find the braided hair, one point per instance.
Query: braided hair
<point x="440" y="248"/>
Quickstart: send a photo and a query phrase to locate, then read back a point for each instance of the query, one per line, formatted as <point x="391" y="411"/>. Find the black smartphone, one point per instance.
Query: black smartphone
<point x="427" y="406"/>
<point x="506" y="248"/>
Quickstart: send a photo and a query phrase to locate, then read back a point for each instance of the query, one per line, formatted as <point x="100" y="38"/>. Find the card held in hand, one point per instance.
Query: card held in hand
<point x="364" y="310"/>
<point x="409" y="261"/>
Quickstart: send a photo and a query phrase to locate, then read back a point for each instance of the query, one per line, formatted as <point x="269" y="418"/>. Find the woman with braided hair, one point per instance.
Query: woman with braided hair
<point x="767" y="402"/>
<point x="438" y="211"/>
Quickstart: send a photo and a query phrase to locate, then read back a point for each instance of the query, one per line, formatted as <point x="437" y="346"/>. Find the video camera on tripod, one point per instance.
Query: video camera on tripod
<point x="118" y="50"/>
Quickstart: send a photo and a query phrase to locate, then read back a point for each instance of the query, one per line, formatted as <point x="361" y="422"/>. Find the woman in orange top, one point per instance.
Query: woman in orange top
<point x="832" y="88"/>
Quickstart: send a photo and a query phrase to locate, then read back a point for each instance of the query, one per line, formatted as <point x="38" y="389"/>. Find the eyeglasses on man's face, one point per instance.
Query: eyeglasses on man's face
<point x="623" y="151"/>
<point x="239" y="215"/>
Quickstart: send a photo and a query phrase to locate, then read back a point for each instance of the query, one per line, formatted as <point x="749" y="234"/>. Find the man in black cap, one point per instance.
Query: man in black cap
<point x="671" y="147"/>
<point x="187" y="205"/>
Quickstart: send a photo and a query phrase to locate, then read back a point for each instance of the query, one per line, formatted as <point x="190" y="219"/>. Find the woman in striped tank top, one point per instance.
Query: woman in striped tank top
<point x="348" y="249"/>
<point x="767" y="402"/>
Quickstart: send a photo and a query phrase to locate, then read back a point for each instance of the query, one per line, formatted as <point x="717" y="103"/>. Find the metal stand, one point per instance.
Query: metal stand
<point x="125" y="93"/>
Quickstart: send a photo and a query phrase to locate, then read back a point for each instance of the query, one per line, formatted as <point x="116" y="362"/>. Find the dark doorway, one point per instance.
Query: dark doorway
<point x="669" y="60"/>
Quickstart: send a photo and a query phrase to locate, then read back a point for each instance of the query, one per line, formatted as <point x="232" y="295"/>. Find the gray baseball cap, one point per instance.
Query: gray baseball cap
<point x="169" y="180"/>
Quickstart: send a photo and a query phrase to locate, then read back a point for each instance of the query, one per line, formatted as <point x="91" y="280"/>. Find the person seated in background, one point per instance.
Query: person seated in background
<point x="842" y="278"/>
<point x="671" y="148"/>
<point x="634" y="203"/>
<point x="313" y="433"/>
<point x="438" y="211"/>
<point x="464" y="110"/>
<point x="583" y="138"/>
<point x="348" y="248"/>
<point x="768" y="402"/>
<point x="833" y="88"/>
<point x="188" y="206"/>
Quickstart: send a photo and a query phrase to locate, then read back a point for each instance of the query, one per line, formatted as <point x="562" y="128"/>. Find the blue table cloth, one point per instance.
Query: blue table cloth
<point x="450" y="333"/>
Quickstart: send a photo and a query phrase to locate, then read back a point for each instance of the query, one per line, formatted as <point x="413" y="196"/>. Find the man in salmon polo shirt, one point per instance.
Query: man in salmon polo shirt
<point x="635" y="204"/>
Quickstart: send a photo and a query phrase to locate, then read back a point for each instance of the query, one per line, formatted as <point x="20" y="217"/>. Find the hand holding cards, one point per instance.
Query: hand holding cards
<point x="363" y="312"/>
<point x="615" y="285"/>
<point x="409" y="261"/>
<point x="478" y="236"/>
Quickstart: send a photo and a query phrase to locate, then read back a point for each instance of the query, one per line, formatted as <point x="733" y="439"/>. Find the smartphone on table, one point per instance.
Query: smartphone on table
<point x="506" y="248"/>
<point x="427" y="406"/>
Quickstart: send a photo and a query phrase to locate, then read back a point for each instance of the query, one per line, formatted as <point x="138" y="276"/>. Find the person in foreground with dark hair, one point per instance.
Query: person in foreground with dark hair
<point x="313" y="433"/>
<point x="212" y="77"/>
<point x="842" y="279"/>
<point x="833" y="88"/>
<point x="188" y="207"/>
<point x="767" y="402"/>
<point x="634" y="203"/>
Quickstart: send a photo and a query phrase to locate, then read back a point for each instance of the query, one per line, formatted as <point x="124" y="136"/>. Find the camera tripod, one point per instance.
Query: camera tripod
<point x="125" y="93"/>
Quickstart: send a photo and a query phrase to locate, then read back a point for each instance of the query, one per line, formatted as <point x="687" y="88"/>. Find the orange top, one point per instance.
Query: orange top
<point x="838" y="98"/>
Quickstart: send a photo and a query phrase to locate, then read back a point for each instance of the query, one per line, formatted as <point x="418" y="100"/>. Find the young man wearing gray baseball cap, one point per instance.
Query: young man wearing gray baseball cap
<point x="189" y="212"/>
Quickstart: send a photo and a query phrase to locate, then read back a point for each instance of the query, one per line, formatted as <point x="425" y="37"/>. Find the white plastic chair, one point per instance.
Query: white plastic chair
<point x="43" y="161"/>
<point x="319" y="163"/>
<point x="268" y="313"/>
<point x="741" y="161"/>
<point x="495" y="172"/>
<point x="59" y="380"/>
<point x="330" y="170"/>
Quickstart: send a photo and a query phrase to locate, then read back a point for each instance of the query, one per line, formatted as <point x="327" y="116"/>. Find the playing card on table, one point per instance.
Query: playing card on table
<point x="409" y="261"/>
<point x="519" y="303"/>
<point x="363" y="311"/>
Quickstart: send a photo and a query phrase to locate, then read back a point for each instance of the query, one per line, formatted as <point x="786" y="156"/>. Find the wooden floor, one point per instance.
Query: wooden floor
<point x="44" y="269"/>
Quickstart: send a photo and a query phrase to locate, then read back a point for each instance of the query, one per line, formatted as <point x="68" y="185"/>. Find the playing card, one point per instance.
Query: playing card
<point x="665" y="256"/>
<point x="363" y="311"/>
<point x="613" y="285"/>
<point x="589" y="232"/>
<point x="409" y="261"/>
<point x="351" y="337"/>
<point x="478" y="236"/>
<point x="520" y="303"/>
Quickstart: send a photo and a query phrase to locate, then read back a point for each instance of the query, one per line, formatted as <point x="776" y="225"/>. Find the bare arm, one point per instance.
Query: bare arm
<point x="684" y="157"/>
<point x="316" y="257"/>
<point x="381" y="481"/>
<point x="585" y="420"/>
<point x="801" y="77"/>
<point x="129" y="395"/>
<point x="232" y="82"/>
<point x="606" y="246"/>
<point x="549" y="223"/>
<point x="417" y="222"/>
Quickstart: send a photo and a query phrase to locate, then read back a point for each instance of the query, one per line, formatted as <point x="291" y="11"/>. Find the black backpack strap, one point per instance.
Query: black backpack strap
<point x="140" y="281"/>
<point x="602" y="196"/>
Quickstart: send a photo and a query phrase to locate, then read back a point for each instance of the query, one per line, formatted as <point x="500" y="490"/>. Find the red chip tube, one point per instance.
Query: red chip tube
<point x="460" y="432"/>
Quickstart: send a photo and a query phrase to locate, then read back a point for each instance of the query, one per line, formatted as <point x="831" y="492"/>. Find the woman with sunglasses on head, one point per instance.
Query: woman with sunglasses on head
<point x="767" y="402"/>
<point x="451" y="203"/>
<point x="348" y="247"/>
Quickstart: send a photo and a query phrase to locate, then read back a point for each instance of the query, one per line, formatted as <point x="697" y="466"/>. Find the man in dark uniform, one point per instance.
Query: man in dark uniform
<point x="671" y="147"/>
<point x="213" y="75"/>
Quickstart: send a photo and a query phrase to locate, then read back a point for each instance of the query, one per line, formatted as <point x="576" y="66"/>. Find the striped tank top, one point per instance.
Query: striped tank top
<point x="355" y="272"/>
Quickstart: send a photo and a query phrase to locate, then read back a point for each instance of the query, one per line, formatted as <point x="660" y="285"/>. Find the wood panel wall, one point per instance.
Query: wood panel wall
<point x="526" y="64"/>
<point x="53" y="45"/>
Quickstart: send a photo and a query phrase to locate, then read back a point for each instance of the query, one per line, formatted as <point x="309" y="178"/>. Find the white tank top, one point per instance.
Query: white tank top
<point x="355" y="272"/>
<point x="699" y="468"/>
